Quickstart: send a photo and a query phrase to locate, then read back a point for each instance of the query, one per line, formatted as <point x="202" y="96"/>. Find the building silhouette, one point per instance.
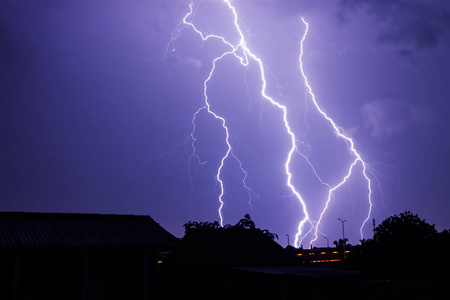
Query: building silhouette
<point x="80" y="256"/>
<point x="241" y="264"/>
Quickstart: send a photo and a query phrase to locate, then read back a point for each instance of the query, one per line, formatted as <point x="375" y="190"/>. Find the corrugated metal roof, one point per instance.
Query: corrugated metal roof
<point x="20" y="229"/>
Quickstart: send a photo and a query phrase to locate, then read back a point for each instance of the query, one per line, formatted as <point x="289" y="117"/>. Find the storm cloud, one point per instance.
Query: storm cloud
<point x="409" y="25"/>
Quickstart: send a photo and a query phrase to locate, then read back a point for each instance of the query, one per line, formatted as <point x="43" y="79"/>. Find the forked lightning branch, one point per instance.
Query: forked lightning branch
<point x="242" y="53"/>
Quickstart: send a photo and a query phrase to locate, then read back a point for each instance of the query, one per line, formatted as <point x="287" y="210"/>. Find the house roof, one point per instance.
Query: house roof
<point x="236" y="247"/>
<point x="21" y="229"/>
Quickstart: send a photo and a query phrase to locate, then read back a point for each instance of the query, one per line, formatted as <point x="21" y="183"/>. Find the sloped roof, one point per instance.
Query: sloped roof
<point x="20" y="229"/>
<point x="236" y="247"/>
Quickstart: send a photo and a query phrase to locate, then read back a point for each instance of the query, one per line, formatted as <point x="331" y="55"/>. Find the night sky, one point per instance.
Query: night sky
<point x="97" y="100"/>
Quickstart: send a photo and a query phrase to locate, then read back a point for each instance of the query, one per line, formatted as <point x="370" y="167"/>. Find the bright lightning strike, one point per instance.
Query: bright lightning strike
<point x="243" y="54"/>
<point x="350" y="144"/>
<point x="244" y="61"/>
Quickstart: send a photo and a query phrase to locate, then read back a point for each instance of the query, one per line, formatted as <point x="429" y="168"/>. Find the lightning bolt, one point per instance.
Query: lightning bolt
<point x="350" y="145"/>
<point x="234" y="49"/>
<point x="243" y="54"/>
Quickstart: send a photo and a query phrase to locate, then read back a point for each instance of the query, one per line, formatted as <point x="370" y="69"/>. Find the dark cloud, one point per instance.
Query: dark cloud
<point x="289" y="7"/>
<point x="408" y="25"/>
<point x="418" y="34"/>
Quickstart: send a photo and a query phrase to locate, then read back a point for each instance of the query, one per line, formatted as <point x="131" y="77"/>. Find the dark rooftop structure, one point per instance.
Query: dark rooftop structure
<point x="19" y="229"/>
<point x="80" y="256"/>
<point x="238" y="264"/>
<point x="235" y="247"/>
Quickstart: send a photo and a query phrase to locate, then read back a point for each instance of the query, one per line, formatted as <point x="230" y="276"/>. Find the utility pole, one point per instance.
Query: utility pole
<point x="343" y="234"/>
<point x="287" y="238"/>
<point x="328" y="241"/>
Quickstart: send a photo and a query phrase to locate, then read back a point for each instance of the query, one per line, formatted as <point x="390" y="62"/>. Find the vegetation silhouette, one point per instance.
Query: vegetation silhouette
<point x="405" y="228"/>
<point x="404" y="246"/>
<point x="341" y="244"/>
<point x="245" y="223"/>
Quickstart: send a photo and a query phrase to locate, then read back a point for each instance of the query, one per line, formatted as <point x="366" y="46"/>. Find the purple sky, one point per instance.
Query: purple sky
<point x="97" y="104"/>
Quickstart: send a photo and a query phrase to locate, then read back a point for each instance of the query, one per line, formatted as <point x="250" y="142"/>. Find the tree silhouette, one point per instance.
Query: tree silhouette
<point x="397" y="249"/>
<point x="340" y="245"/>
<point x="270" y="234"/>
<point x="245" y="223"/>
<point x="200" y="225"/>
<point x="406" y="228"/>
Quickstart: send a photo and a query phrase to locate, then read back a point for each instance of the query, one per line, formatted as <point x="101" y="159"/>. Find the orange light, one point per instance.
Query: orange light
<point x="323" y="253"/>
<point x="335" y="252"/>
<point x="347" y="251"/>
<point x="299" y="254"/>
<point x="160" y="262"/>
<point x="325" y="260"/>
